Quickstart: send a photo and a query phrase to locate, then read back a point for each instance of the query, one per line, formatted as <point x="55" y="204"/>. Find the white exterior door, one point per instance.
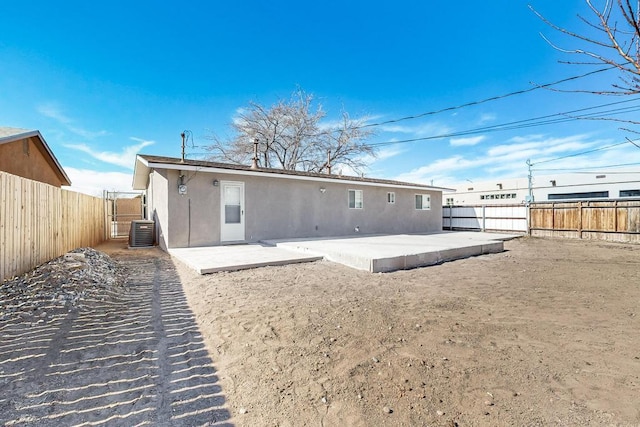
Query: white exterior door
<point x="232" y="211"/>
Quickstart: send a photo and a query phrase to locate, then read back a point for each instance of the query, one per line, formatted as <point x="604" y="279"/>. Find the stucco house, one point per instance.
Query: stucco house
<point x="202" y="203"/>
<point x="25" y="153"/>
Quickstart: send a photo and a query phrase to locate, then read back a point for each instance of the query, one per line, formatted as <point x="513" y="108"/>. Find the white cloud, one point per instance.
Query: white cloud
<point x="487" y="117"/>
<point x="509" y="149"/>
<point x="450" y="165"/>
<point x="389" y="152"/>
<point x="339" y="122"/>
<point x="92" y="182"/>
<point x="396" y="128"/>
<point x="526" y="138"/>
<point x="125" y="158"/>
<point x="598" y="161"/>
<point x="53" y="111"/>
<point x="424" y="129"/>
<point x="509" y="160"/>
<point x="237" y="119"/>
<point x="543" y="144"/>
<point x="473" y="140"/>
<point x="368" y="160"/>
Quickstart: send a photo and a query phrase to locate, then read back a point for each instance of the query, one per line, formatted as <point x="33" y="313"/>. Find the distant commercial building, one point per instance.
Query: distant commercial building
<point x="548" y="188"/>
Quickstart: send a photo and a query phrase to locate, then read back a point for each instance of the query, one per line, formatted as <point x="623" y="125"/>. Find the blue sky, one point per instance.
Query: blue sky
<point x="105" y="80"/>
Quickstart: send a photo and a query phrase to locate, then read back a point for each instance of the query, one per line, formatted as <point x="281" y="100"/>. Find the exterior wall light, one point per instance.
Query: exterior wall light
<point x="322" y="190"/>
<point x="216" y="182"/>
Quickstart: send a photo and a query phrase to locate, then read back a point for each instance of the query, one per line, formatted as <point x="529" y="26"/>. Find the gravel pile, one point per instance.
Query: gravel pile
<point x="79" y="278"/>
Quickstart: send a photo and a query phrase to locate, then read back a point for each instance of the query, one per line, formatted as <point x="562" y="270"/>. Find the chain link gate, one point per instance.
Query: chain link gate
<point x="121" y="208"/>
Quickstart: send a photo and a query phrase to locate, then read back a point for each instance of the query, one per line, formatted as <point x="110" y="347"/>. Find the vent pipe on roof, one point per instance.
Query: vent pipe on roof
<point x="329" y="162"/>
<point x="254" y="163"/>
<point x="183" y="135"/>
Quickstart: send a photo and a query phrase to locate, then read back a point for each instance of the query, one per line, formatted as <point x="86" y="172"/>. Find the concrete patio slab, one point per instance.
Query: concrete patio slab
<point x="211" y="259"/>
<point x="384" y="253"/>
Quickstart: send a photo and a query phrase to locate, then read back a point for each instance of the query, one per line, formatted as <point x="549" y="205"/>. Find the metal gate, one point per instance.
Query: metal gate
<point x="121" y="208"/>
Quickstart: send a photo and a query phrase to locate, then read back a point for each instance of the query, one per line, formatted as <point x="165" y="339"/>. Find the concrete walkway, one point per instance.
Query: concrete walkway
<point x="380" y="253"/>
<point x="211" y="259"/>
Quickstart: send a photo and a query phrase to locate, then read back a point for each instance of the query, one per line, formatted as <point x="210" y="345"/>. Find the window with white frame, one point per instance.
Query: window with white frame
<point x="355" y="199"/>
<point x="423" y="202"/>
<point x="391" y="197"/>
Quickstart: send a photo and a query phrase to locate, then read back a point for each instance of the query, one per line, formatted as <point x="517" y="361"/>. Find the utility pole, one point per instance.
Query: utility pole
<point x="530" y="198"/>
<point x="530" y="176"/>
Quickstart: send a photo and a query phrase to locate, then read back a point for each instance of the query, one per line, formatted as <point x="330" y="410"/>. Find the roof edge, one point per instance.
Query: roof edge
<point x="149" y="161"/>
<point x="36" y="133"/>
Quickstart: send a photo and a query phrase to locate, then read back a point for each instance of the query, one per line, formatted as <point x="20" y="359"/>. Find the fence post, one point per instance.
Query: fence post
<point x="484" y="218"/>
<point x="105" y="216"/>
<point x="580" y="220"/>
<point x="450" y="217"/>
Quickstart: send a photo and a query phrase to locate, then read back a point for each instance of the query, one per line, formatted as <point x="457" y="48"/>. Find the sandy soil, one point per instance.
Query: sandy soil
<point x="128" y="356"/>
<point x="546" y="333"/>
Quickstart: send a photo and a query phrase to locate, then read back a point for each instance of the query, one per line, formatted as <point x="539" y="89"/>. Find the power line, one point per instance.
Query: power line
<point x="594" y="167"/>
<point x="606" y="147"/>
<point x="633" y="142"/>
<point x="567" y="113"/>
<point x="483" y="101"/>
<point x="519" y="124"/>
<point x="506" y="126"/>
<point x="525" y="123"/>
<point x="567" y="118"/>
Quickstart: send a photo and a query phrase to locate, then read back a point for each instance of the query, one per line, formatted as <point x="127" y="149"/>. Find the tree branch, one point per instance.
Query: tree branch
<point x="617" y="47"/>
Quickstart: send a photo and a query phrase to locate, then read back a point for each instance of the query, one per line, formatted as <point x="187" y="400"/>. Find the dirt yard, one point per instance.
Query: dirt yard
<point x="78" y="348"/>
<point x="546" y="333"/>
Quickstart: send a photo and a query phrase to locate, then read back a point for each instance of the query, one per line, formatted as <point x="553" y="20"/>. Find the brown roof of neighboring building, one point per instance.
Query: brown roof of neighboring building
<point x="9" y="134"/>
<point x="161" y="160"/>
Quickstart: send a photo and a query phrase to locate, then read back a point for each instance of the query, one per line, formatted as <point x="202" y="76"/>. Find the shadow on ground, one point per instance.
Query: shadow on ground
<point x="138" y="360"/>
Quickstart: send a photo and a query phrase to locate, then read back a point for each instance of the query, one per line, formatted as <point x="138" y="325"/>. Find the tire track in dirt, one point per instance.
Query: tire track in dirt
<point x="164" y="370"/>
<point x="138" y="359"/>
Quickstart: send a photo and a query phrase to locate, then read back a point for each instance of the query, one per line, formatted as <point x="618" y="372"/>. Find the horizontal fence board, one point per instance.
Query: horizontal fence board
<point x="614" y="220"/>
<point x="39" y="222"/>
<point x="485" y="218"/>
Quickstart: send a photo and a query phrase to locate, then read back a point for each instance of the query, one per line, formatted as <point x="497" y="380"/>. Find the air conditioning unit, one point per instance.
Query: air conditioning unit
<point x="141" y="234"/>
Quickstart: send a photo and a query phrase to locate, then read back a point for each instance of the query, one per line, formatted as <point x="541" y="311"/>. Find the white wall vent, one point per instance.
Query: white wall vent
<point x="141" y="234"/>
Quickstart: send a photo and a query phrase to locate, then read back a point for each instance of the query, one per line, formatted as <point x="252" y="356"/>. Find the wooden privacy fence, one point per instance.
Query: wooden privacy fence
<point x="39" y="222"/>
<point x="511" y="218"/>
<point x="616" y="220"/>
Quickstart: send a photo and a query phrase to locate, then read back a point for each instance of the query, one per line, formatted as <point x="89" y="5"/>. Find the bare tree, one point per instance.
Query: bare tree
<point x="615" y="42"/>
<point x="291" y="136"/>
